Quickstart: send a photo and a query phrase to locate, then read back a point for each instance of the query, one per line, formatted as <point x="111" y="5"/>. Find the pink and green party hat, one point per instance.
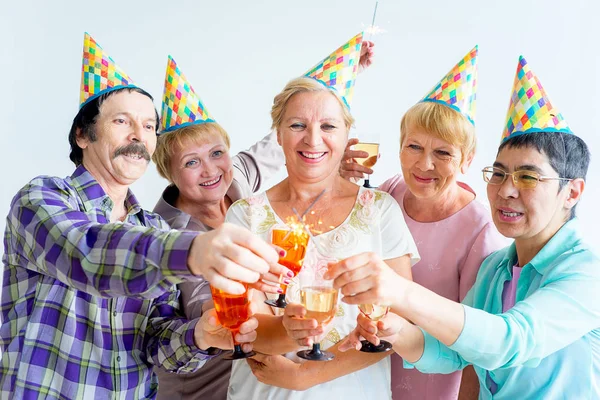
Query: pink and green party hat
<point x="339" y="69"/>
<point x="530" y="109"/>
<point x="181" y="105"/>
<point x="99" y="73"/>
<point x="458" y="89"/>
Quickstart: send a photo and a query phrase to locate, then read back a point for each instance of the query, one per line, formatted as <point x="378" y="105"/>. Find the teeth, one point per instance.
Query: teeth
<point x="136" y="156"/>
<point x="510" y="214"/>
<point x="211" y="182"/>
<point x="312" y="155"/>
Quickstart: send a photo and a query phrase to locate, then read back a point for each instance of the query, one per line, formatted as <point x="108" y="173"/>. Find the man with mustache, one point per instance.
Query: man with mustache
<point x="88" y="299"/>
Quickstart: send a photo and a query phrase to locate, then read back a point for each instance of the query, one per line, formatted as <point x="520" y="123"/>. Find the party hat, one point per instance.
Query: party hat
<point x="99" y="73"/>
<point x="458" y="89"/>
<point x="530" y="109"/>
<point x="339" y="69"/>
<point x="181" y="105"/>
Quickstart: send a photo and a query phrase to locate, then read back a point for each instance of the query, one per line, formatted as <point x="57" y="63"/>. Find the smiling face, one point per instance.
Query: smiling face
<point x="125" y="139"/>
<point x="202" y="170"/>
<point x="527" y="214"/>
<point x="429" y="165"/>
<point x="313" y="135"/>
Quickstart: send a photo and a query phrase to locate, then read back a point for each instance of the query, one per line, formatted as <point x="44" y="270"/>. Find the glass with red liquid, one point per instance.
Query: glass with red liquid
<point x="232" y="311"/>
<point x="294" y="240"/>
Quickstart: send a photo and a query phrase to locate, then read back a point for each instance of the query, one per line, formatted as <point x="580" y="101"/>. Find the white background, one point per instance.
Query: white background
<point x="239" y="54"/>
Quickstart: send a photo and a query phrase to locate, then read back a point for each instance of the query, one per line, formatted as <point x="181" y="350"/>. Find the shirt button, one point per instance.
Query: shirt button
<point x="118" y="358"/>
<point x="114" y="313"/>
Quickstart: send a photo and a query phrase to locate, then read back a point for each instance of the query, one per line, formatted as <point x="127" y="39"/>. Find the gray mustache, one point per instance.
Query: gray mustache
<point x="133" y="148"/>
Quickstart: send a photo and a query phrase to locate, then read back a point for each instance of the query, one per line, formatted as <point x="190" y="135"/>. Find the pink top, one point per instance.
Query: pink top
<point x="509" y="294"/>
<point x="451" y="252"/>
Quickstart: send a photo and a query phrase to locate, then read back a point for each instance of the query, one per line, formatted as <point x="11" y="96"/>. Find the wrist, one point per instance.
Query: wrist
<point x="400" y="304"/>
<point x="200" y="340"/>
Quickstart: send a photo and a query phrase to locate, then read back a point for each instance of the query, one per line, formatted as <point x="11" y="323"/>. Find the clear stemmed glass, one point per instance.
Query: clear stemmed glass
<point x="370" y="144"/>
<point x="320" y="299"/>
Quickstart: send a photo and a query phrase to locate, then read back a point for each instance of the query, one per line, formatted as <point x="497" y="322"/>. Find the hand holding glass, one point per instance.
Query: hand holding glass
<point x="374" y="312"/>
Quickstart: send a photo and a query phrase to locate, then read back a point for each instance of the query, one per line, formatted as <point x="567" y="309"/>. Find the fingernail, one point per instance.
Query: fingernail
<point x="290" y="274"/>
<point x="280" y="290"/>
<point x="287" y="281"/>
<point x="281" y="253"/>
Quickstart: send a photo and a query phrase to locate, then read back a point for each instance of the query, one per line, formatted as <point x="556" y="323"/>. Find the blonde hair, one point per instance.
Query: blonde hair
<point x="172" y="141"/>
<point x="442" y="122"/>
<point x="301" y="85"/>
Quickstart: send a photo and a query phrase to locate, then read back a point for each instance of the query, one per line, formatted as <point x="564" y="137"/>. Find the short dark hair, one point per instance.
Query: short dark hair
<point x="85" y="120"/>
<point x="567" y="153"/>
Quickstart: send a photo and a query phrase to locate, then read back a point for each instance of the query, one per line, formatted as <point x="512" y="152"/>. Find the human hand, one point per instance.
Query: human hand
<point x="349" y="168"/>
<point x="231" y="254"/>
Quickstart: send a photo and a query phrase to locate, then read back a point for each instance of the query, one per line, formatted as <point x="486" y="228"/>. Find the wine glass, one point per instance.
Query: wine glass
<point x="374" y="312"/>
<point x="320" y="299"/>
<point x="294" y="240"/>
<point x="232" y="311"/>
<point x="370" y="144"/>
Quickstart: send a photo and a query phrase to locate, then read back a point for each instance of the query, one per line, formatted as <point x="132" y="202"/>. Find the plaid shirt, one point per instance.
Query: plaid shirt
<point x="88" y="306"/>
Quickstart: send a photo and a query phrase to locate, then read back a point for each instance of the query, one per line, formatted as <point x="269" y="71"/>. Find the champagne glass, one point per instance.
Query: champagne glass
<point x="374" y="312"/>
<point x="294" y="240"/>
<point x="370" y="144"/>
<point x="320" y="299"/>
<point x="232" y="311"/>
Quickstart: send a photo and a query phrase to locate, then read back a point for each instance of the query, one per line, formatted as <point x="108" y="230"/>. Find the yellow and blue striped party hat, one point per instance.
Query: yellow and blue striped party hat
<point x="181" y="105"/>
<point x="530" y="109"/>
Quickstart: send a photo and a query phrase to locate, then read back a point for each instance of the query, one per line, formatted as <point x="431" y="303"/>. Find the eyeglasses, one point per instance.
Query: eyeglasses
<point x="521" y="179"/>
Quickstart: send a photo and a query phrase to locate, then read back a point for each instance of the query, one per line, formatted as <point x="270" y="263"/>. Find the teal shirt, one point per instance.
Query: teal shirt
<point x="548" y="345"/>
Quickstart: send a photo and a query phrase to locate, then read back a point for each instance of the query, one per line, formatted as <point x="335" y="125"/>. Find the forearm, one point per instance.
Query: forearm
<point x="174" y="348"/>
<point x="442" y="318"/>
<point x="343" y="364"/>
<point x="107" y="260"/>
<point x="272" y="337"/>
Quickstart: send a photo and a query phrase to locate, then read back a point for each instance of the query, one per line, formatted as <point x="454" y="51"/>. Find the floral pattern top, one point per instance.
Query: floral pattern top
<point x="375" y="224"/>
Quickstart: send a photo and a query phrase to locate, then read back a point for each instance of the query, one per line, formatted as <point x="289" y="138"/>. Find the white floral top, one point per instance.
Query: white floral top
<point x="375" y="224"/>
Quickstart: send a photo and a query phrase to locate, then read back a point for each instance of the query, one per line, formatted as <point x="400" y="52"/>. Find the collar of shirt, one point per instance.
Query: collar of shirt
<point x="566" y="238"/>
<point x="93" y="195"/>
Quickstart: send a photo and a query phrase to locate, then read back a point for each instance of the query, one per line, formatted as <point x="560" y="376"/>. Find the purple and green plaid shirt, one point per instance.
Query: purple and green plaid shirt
<point x="88" y="306"/>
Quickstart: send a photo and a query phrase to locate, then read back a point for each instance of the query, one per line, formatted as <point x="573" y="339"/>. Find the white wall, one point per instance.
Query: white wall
<point x="239" y="54"/>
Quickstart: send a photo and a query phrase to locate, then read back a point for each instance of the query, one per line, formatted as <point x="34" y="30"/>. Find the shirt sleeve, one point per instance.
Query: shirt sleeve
<point x="558" y="313"/>
<point x="171" y="342"/>
<point x="487" y="241"/>
<point x="260" y="162"/>
<point x="396" y="239"/>
<point x="48" y="235"/>
<point x="437" y="358"/>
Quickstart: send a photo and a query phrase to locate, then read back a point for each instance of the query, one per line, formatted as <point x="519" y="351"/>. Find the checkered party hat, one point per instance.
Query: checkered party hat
<point x="339" y="69"/>
<point x="530" y="109"/>
<point x="458" y="89"/>
<point x="181" y="105"/>
<point x="99" y="73"/>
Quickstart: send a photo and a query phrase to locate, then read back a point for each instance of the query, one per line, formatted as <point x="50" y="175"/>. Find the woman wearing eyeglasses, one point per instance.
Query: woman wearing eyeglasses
<point x="531" y="323"/>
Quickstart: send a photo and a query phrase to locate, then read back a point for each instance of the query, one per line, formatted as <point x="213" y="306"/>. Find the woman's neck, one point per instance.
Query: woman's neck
<point x="209" y="213"/>
<point x="439" y="207"/>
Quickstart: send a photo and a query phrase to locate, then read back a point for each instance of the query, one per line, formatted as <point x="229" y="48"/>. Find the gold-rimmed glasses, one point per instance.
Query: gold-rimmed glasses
<point x="523" y="179"/>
